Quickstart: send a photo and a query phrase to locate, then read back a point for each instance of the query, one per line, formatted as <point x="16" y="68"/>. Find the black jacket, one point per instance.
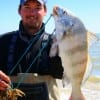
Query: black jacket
<point x="44" y="65"/>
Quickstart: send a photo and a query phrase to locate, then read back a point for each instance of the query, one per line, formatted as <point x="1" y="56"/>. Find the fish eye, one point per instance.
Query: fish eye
<point x="64" y="12"/>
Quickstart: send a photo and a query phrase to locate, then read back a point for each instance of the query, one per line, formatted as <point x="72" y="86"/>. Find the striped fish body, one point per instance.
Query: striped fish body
<point x="71" y="38"/>
<point x="74" y="59"/>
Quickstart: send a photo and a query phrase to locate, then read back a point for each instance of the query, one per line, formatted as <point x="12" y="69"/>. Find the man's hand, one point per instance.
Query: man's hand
<point x="56" y="69"/>
<point x="4" y="81"/>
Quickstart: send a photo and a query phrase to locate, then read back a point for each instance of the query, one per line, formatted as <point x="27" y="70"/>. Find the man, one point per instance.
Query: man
<point x="14" y="44"/>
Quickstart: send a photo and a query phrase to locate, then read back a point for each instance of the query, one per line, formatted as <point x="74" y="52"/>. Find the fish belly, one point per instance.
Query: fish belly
<point x="73" y="51"/>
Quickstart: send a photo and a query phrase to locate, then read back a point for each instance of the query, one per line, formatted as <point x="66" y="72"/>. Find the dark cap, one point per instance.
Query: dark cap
<point x="40" y="1"/>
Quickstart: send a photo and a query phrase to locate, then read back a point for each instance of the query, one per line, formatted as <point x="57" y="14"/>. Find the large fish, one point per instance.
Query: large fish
<point x="71" y="40"/>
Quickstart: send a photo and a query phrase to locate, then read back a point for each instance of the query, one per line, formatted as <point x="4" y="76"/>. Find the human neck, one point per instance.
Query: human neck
<point x="31" y="30"/>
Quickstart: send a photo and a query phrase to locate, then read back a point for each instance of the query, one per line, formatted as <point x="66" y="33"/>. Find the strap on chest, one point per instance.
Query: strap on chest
<point x="10" y="61"/>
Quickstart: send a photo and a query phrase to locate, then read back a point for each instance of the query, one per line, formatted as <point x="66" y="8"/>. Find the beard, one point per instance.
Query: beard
<point x="32" y="26"/>
<point x="33" y="23"/>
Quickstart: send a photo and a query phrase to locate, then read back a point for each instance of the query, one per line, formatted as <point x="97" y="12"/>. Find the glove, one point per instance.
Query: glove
<point x="55" y="69"/>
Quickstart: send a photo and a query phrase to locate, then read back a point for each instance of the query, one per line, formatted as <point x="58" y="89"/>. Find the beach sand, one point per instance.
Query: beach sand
<point x="91" y="89"/>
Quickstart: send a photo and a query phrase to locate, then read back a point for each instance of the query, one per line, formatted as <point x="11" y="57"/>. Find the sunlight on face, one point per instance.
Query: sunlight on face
<point x="32" y="14"/>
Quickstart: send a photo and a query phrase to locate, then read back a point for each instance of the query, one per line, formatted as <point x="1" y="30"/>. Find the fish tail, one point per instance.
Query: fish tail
<point x="81" y="97"/>
<point x="76" y="93"/>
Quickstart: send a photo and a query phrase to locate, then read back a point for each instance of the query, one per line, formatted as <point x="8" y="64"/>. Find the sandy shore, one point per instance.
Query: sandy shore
<point x="91" y="90"/>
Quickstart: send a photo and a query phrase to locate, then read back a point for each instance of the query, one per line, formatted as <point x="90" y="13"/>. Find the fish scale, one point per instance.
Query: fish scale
<point x="72" y="42"/>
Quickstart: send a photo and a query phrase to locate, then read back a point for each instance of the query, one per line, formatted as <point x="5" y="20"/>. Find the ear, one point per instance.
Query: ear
<point x="45" y="13"/>
<point x="45" y="10"/>
<point x="19" y="9"/>
<point x="19" y="12"/>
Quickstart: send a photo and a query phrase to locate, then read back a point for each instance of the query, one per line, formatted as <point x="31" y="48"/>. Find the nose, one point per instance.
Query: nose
<point x="33" y="11"/>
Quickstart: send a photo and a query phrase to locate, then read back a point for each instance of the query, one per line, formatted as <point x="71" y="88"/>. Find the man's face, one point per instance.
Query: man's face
<point x="32" y="14"/>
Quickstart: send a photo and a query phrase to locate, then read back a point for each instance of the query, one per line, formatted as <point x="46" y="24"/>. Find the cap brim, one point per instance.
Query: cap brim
<point x="41" y="1"/>
<point x="25" y="1"/>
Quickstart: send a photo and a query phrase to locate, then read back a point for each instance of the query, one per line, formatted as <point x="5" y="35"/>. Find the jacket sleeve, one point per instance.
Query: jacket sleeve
<point x="55" y="67"/>
<point x="51" y="65"/>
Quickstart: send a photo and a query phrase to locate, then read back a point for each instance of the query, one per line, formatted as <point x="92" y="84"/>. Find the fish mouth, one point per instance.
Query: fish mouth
<point x="55" y="11"/>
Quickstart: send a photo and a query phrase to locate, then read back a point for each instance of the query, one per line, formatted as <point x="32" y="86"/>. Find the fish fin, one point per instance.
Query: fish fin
<point x="54" y="50"/>
<point x="91" y="38"/>
<point x="65" y="81"/>
<point x="88" y="70"/>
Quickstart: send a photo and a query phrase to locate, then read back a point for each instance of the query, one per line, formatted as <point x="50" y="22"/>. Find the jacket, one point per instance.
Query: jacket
<point x="20" y="40"/>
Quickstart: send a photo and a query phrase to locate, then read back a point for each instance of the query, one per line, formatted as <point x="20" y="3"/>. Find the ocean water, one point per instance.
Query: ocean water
<point x="95" y="56"/>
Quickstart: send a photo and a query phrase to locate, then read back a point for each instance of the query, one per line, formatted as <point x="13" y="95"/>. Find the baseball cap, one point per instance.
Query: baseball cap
<point x="24" y="1"/>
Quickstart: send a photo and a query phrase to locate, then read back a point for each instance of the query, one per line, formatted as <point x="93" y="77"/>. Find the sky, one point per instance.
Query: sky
<point x="87" y="10"/>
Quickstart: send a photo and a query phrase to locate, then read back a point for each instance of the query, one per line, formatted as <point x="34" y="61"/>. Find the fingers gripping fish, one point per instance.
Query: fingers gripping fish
<point x="72" y="41"/>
